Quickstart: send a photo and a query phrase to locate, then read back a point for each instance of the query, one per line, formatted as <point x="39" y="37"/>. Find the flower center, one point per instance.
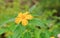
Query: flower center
<point x="23" y="17"/>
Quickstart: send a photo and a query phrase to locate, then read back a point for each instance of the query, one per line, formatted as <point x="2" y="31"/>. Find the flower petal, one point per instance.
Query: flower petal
<point x="24" y="22"/>
<point x="29" y="17"/>
<point x="18" y="20"/>
<point x="26" y="13"/>
<point x="20" y="15"/>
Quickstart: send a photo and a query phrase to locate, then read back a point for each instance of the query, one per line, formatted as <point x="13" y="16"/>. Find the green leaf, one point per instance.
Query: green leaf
<point x="27" y="35"/>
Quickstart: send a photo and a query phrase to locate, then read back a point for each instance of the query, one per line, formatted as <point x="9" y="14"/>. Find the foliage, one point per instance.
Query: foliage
<point x="45" y="24"/>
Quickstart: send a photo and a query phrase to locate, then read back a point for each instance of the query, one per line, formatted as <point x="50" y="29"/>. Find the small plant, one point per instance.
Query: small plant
<point x="38" y="20"/>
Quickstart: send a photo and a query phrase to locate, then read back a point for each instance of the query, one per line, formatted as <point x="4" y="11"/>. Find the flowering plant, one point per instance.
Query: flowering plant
<point x="35" y="19"/>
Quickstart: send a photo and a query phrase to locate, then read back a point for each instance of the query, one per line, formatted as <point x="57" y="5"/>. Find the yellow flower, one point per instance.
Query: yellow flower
<point x="23" y="17"/>
<point x="52" y="37"/>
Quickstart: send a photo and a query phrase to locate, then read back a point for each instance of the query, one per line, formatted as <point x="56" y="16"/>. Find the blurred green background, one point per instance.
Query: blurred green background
<point x="46" y="22"/>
